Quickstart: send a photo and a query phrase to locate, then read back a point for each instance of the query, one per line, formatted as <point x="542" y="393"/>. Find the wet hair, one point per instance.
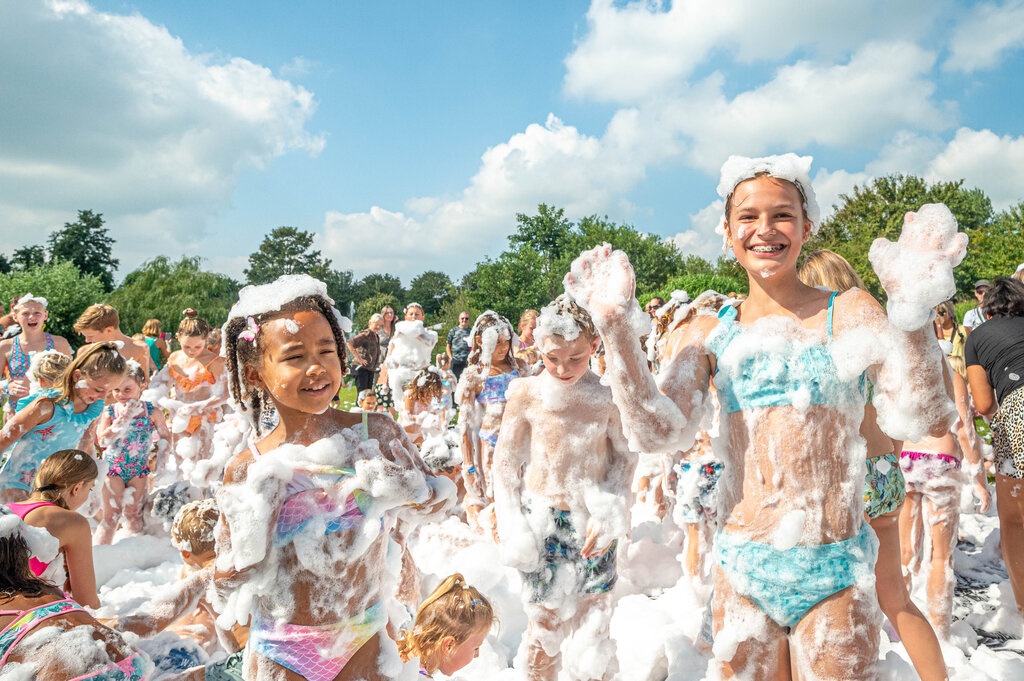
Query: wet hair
<point x="213" y="340"/>
<point x="485" y="321"/>
<point x="764" y="173"/>
<point x="98" y="317"/>
<point x="426" y="385"/>
<point x="193" y="525"/>
<point x="16" y="576"/>
<point x="48" y="366"/>
<point x="831" y="270"/>
<point x="442" y="361"/>
<point x="135" y="372"/>
<point x="152" y="328"/>
<point x="564" y="306"/>
<point x="95" y="360"/>
<point x="1004" y="298"/>
<point x="192" y="326"/>
<point x="1018" y="275"/>
<point x="363" y="394"/>
<point x="527" y="317"/>
<point x="239" y="353"/>
<point x="61" y="471"/>
<point x="454" y="609"/>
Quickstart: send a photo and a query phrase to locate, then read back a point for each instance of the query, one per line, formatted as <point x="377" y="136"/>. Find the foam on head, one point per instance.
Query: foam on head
<point x="790" y="167"/>
<point x="193" y="525"/>
<point x="29" y="298"/>
<point x="260" y="299"/>
<point x="564" y="317"/>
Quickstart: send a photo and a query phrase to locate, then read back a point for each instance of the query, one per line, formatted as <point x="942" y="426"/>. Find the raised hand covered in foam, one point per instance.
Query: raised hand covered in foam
<point x="603" y="281"/>
<point x="917" y="271"/>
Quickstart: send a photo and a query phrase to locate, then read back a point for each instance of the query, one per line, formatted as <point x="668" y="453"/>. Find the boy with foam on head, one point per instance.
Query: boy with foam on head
<point x="184" y="608"/>
<point x="561" y="434"/>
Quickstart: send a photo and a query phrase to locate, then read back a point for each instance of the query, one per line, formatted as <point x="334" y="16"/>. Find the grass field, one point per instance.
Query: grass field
<point x="347" y="395"/>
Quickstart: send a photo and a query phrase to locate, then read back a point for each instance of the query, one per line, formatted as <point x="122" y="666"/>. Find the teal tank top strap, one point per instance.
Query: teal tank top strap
<point x="831" y="307"/>
<point x="720" y="337"/>
<point x="366" y="427"/>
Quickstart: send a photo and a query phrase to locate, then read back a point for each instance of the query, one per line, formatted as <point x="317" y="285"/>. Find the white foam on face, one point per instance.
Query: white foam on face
<point x="291" y="326"/>
<point x="791" y="167"/>
<point x="917" y="270"/>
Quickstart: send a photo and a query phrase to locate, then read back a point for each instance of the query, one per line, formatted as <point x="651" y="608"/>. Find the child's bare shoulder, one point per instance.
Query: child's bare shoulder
<point x="238" y="467"/>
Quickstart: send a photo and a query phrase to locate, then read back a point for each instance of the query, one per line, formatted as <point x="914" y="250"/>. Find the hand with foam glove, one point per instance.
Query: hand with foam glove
<point x="917" y="271"/>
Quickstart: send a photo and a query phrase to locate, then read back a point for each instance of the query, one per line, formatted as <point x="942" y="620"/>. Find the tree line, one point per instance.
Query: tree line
<point x="76" y="266"/>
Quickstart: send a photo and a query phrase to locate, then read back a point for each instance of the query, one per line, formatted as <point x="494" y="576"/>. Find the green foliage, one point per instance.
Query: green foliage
<point x="375" y="283"/>
<point x="695" y="284"/>
<point x="877" y="211"/>
<point x="5" y="265"/>
<point x="962" y="307"/>
<point x="67" y="291"/>
<point x="368" y="306"/>
<point x="529" y="274"/>
<point x="995" y="249"/>
<point x="432" y="289"/>
<point x="87" y="245"/>
<point x="162" y="289"/>
<point x="286" y="250"/>
<point x="27" y="257"/>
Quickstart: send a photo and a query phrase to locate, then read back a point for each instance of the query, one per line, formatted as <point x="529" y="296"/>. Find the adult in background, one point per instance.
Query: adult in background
<point x="652" y="306"/>
<point x="158" y="350"/>
<point x="366" y="352"/>
<point x="387" y="314"/>
<point x="457" y="348"/>
<point x="995" y="372"/>
<point x="974" y="316"/>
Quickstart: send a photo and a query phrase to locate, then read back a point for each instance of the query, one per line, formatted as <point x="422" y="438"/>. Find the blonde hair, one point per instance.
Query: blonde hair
<point x="527" y="317"/>
<point x="565" y="306"/>
<point x="831" y="270"/>
<point x="61" y="471"/>
<point x="192" y="530"/>
<point x="152" y="328"/>
<point x="95" y="360"/>
<point x="1019" y="274"/>
<point x="192" y="325"/>
<point x="98" y="317"/>
<point x="48" y="366"/>
<point x="134" y="371"/>
<point x="455" y="609"/>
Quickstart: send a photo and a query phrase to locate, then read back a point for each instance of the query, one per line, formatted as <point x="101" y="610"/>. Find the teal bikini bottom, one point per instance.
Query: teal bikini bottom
<point x="786" y="584"/>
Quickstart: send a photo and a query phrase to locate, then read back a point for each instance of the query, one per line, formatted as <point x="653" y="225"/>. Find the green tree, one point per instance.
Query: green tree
<point x="996" y="248"/>
<point x="695" y="284"/>
<point x="87" y="245"/>
<point x="27" y="257"/>
<point x="431" y="290"/>
<point x="877" y="210"/>
<point x="66" y="289"/>
<point x="368" y="306"/>
<point x="375" y="283"/>
<point x="341" y="287"/>
<point x="529" y="273"/>
<point x="5" y="265"/>
<point x="162" y="288"/>
<point x="286" y="250"/>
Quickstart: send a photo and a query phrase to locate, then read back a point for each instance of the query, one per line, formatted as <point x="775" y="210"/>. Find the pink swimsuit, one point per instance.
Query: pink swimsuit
<point x="21" y="510"/>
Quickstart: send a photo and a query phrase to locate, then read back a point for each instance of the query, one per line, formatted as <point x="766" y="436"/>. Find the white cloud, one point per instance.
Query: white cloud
<point x="639" y="51"/>
<point x="701" y="238"/>
<point x="982" y="39"/>
<point x="883" y="88"/>
<point x="552" y="163"/>
<point x="828" y="186"/>
<point x="985" y="160"/>
<point x="112" y="113"/>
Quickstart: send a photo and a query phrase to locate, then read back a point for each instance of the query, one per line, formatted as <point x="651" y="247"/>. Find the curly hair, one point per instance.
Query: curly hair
<point x="427" y="384"/>
<point x="240" y="353"/>
<point x="455" y="609"/>
<point x="1004" y="298"/>
<point x="485" y="321"/>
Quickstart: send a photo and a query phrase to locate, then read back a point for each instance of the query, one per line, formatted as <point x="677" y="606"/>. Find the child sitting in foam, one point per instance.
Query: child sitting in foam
<point x="305" y="543"/>
<point x="561" y="434"/>
<point x="185" y="609"/>
<point x="481" y="398"/>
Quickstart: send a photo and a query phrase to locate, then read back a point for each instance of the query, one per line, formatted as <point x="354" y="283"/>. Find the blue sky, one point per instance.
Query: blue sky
<point x="407" y="135"/>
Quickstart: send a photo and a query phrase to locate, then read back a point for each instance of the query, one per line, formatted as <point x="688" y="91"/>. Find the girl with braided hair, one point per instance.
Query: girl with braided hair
<point x="309" y="510"/>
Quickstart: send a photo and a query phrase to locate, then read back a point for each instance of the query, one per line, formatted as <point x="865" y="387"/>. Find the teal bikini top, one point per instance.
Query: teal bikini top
<point x="798" y="373"/>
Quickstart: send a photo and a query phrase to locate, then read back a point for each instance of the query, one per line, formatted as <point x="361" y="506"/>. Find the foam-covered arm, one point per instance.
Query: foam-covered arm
<point x="167" y="606"/>
<point x="519" y="547"/>
<point x="159" y="385"/>
<point x="654" y="419"/>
